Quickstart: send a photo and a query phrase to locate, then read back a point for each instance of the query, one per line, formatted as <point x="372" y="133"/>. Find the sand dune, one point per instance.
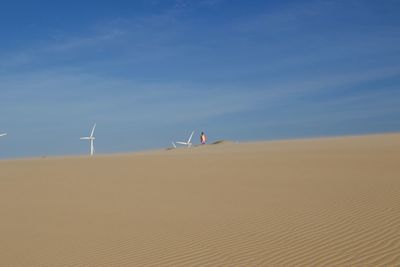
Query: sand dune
<point x="320" y="202"/>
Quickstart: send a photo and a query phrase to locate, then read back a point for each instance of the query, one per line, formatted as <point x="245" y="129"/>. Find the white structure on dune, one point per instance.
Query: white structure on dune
<point x="3" y="134"/>
<point x="188" y="144"/>
<point x="91" y="139"/>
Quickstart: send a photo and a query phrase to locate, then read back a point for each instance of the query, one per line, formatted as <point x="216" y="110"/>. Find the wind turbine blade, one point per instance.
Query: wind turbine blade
<point x="84" y="138"/>
<point x="94" y="127"/>
<point x="3" y="134"/>
<point x="182" y="143"/>
<point x="190" y="138"/>
<point x="174" y="144"/>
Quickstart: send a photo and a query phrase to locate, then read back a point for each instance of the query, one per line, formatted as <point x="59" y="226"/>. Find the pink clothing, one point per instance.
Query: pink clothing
<point x="203" y="139"/>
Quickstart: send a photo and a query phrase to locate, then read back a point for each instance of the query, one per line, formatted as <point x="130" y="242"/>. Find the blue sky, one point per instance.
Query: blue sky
<point x="149" y="72"/>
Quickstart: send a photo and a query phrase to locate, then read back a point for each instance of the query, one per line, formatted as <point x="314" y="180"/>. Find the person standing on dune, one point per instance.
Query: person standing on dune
<point x="203" y="138"/>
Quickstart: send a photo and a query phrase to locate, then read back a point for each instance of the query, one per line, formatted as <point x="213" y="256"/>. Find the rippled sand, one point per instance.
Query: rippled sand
<point x="317" y="202"/>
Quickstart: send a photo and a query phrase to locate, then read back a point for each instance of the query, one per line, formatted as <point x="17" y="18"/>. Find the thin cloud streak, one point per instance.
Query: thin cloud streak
<point x="80" y="93"/>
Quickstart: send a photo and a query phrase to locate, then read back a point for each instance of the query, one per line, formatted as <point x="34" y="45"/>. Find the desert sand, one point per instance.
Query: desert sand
<point x="312" y="202"/>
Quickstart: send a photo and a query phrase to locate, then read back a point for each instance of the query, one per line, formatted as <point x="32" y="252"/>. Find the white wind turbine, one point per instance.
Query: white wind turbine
<point x="91" y="139"/>
<point x="3" y="134"/>
<point x="188" y="144"/>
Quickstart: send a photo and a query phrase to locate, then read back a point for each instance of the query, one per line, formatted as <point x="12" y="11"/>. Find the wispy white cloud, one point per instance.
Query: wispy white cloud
<point x="68" y="94"/>
<point x="76" y="43"/>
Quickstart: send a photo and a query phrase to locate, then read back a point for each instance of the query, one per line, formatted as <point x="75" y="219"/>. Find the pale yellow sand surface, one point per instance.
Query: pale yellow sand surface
<point x="317" y="202"/>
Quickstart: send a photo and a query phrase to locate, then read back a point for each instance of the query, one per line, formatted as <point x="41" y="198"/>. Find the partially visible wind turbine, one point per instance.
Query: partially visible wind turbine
<point x="91" y="139"/>
<point x="3" y="134"/>
<point x="188" y="144"/>
<point x="174" y="144"/>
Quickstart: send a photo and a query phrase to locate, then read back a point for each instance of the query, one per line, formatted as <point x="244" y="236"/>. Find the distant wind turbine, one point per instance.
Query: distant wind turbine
<point x="3" y="134"/>
<point x="91" y="139"/>
<point x="188" y="144"/>
<point x="174" y="144"/>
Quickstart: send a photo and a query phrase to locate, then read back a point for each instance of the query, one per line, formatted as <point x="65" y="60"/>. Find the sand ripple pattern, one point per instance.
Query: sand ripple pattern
<point x="327" y="202"/>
